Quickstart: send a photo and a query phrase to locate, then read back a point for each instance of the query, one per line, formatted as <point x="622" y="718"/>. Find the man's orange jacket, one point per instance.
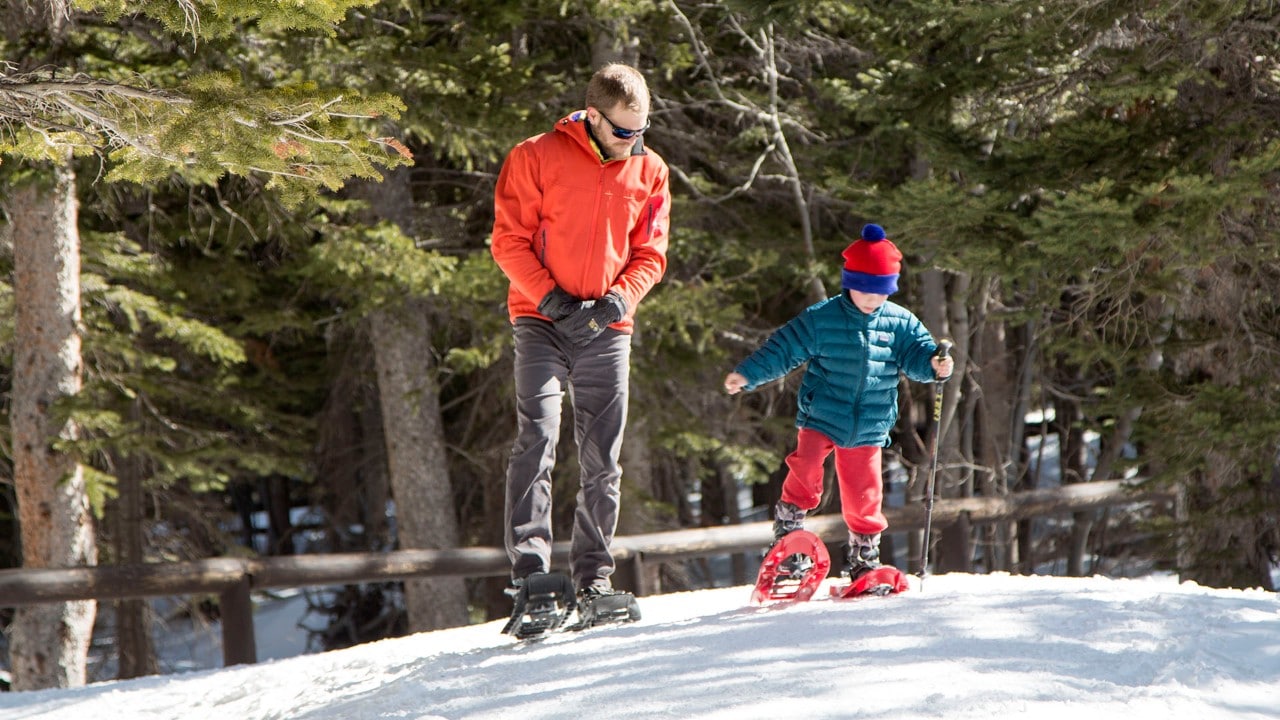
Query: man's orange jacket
<point x="565" y="216"/>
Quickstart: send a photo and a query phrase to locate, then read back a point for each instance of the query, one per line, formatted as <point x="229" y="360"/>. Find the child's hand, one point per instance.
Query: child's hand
<point x="733" y="383"/>
<point x="942" y="367"/>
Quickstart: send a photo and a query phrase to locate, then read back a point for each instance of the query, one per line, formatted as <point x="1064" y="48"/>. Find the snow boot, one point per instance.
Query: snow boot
<point x="864" y="573"/>
<point x="862" y="555"/>
<point x="787" y="518"/>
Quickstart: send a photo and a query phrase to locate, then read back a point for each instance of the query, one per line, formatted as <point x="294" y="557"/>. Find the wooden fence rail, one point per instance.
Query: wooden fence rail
<point x="233" y="579"/>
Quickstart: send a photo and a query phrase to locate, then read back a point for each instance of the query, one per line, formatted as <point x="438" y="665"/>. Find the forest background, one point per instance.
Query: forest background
<point x="245" y="267"/>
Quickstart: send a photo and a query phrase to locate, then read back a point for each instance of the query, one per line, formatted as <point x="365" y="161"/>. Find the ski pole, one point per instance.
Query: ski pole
<point x="944" y="349"/>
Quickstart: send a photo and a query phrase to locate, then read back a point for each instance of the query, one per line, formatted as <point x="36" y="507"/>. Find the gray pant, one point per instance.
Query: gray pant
<point x="597" y="379"/>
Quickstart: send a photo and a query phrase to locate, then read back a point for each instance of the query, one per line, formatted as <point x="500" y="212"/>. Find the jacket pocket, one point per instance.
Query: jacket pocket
<point x="804" y="401"/>
<point x="540" y="244"/>
<point x="651" y="213"/>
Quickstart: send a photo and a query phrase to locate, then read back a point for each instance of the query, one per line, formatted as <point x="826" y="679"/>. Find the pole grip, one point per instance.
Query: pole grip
<point x="944" y="348"/>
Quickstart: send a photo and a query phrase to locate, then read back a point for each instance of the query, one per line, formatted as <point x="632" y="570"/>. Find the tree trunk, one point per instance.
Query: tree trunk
<point x="49" y="642"/>
<point x="276" y="502"/>
<point x="1073" y="459"/>
<point x="995" y="456"/>
<point x="1025" y="348"/>
<point x="933" y="313"/>
<point x="414" y="435"/>
<point x="414" y="430"/>
<point x="350" y="454"/>
<point x="955" y="443"/>
<point x="639" y="489"/>
<point x="373" y="477"/>
<point x="136" y="651"/>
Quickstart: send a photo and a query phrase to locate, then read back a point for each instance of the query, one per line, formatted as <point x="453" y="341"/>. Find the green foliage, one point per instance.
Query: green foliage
<point x="215" y="18"/>
<point x="163" y="385"/>
<point x="744" y="463"/>
<point x="165" y="116"/>
<point x="452" y="64"/>
<point x="478" y="331"/>
<point x="375" y="267"/>
<point x="100" y="488"/>
<point x="299" y="136"/>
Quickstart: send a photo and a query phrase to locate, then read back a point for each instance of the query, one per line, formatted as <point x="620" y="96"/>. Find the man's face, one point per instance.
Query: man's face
<point x="611" y="123"/>
<point x="867" y="302"/>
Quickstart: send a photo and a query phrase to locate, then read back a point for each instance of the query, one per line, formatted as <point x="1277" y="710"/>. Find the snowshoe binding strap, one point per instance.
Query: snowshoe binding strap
<point x="884" y="580"/>
<point x="792" y="569"/>
<point x="541" y="605"/>
<point x="602" y="608"/>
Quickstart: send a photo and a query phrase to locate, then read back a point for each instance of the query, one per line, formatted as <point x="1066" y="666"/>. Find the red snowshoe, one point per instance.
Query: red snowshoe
<point x="792" y="569"/>
<point x="884" y="580"/>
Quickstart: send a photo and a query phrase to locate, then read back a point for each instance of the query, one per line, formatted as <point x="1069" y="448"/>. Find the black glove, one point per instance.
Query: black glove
<point x="558" y="304"/>
<point x="586" y="323"/>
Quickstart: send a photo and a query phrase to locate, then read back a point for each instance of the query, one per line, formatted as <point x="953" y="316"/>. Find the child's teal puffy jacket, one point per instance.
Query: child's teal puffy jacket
<point x="850" y="390"/>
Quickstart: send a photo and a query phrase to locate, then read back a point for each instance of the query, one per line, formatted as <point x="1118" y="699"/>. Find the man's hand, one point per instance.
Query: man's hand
<point x="587" y="322"/>
<point x="558" y="304"/>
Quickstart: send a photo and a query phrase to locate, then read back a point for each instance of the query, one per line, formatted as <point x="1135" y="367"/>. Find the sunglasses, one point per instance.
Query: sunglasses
<point x="620" y="132"/>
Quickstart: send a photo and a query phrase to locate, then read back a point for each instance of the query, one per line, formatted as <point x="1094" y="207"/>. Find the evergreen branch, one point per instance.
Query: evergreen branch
<point x="280" y="173"/>
<point x="94" y="109"/>
<point x="116" y="136"/>
<point x="191" y="16"/>
<point x="80" y="85"/>
<point x="300" y="119"/>
<point x="152" y="132"/>
<point x="31" y="95"/>
<point x="312" y="138"/>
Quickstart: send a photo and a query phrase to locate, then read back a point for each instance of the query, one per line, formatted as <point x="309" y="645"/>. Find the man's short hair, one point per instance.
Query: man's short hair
<point x="618" y="83"/>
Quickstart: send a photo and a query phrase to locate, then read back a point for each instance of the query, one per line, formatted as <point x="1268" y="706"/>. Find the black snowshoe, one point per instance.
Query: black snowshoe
<point x="602" y="606"/>
<point x="542" y="603"/>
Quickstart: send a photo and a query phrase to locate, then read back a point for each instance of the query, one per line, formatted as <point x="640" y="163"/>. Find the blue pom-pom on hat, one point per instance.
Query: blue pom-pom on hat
<point x="872" y="232"/>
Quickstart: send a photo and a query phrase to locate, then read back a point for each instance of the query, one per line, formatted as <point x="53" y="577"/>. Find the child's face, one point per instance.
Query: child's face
<point x="867" y="302"/>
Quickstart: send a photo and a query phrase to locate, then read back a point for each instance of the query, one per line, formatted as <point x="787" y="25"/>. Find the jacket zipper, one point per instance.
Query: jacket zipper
<point x="862" y="380"/>
<point x="595" y="221"/>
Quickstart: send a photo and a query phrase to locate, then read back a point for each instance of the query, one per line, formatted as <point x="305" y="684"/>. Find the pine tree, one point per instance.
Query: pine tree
<point x="144" y="122"/>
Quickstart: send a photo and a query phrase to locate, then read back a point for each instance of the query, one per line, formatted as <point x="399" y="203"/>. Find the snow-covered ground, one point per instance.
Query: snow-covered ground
<point x="963" y="646"/>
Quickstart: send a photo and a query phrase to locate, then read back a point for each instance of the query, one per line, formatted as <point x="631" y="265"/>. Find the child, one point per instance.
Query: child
<point x="856" y="344"/>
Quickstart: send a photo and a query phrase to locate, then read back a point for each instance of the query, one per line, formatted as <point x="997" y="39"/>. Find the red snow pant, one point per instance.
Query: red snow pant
<point x="858" y="472"/>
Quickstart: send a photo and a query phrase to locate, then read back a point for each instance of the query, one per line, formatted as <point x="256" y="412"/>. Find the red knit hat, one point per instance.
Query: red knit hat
<point x="872" y="263"/>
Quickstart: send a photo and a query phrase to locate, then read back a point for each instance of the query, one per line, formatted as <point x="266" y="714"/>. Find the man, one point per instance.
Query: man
<point x="580" y="229"/>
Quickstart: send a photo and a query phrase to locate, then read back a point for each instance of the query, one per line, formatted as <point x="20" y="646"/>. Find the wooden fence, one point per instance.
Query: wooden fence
<point x="233" y="579"/>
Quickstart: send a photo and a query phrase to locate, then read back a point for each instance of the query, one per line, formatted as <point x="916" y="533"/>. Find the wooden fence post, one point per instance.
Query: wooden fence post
<point x="236" y="608"/>
<point x="633" y="569"/>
